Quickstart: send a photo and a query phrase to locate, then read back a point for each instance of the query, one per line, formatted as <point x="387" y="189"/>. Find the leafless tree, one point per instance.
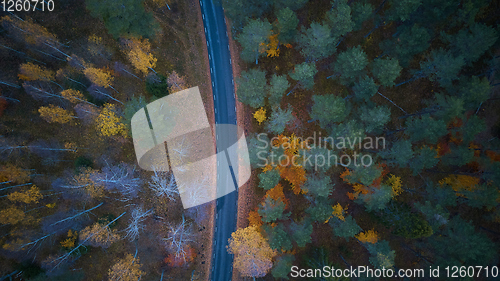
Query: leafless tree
<point x="197" y="192"/>
<point x="163" y="184"/>
<point x="178" y="238"/>
<point x="136" y="223"/>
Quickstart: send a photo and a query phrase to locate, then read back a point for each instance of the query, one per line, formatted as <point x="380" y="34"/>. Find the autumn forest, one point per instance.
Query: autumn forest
<point x="372" y="127"/>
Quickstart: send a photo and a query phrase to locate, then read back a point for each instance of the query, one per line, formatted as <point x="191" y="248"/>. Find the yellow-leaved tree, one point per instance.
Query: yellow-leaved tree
<point x="98" y="235"/>
<point x="73" y="96"/>
<point x="69" y="242"/>
<point x="126" y="269"/>
<point x="11" y="215"/>
<point x="339" y="211"/>
<point x="260" y="115"/>
<point x="55" y="114"/>
<point x="12" y="174"/>
<point x="100" y="77"/>
<point x="109" y="123"/>
<point x="253" y="257"/>
<point x="139" y="54"/>
<point x="395" y="183"/>
<point x="30" y="71"/>
<point x="369" y="236"/>
<point x="31" y="195"/>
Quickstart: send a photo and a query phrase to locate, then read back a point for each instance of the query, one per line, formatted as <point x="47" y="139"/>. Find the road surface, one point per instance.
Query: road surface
<point x="225" y="113"/>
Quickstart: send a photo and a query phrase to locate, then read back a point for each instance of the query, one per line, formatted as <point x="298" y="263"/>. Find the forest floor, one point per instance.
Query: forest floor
<point x="188" y="55"/>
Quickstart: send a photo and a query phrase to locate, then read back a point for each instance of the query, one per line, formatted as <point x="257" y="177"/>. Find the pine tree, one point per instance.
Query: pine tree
<point x="272" y="210"/>
<point x="399" y="154"/>
<point x="365" y="88"/>
<point x="375" y="118"/>
<point x="339" y="18"/>
<point x="411" y="40"/>
<point x="377" y="198"/>
<point x="286" y="25"/>
<point x="328" y="109"/>
<point x="473" y="90"/>
<point x="402" y="9"/>
<point x="345" y="229"/>
<point x="425" y="128"/>
<point x="461" y="244"/>
<point x="301" y="233"/>
<point x="381" y="254"/>
<point x="282" y="266"/>
<point x="253" y="39"/>
<point x="361" y="12"/>
<point x="125" y="18"/>
<point x="386" y="70"/>
<point x="425" y="158"/>
<point x="441" y="66"/>
<point x="251" y="86"/>
<point x="304" y="74"/>
<point x="278" y="238"/>
<point x="291" y="4"/>
<point x="279" y="119"/>
<point x="350" y="64"/>
<point x="317" y="42"/>
<point x="269" y="179"/>
<point x="319" y="185"/>
<point x="320" y="211"/>
<point x="464" y="43"/>
<point x="277" y="87"/>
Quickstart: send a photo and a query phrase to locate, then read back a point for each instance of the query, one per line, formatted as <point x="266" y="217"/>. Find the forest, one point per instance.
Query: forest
<point x="372" y="126"/>
<point x="322" y="80"/>
<point x="74" y="205"/>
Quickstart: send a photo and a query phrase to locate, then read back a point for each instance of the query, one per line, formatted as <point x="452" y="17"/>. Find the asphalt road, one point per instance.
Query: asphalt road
<point x="225" y="113"/>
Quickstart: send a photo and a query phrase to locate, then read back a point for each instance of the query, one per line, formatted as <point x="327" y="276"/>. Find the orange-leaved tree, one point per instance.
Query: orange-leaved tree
<point x="461" y="183"/>
<point x="253" y="257"/>
<point x="254" y="219"/>
<point x="276" y="193"/>
<point x="369" y="236"/>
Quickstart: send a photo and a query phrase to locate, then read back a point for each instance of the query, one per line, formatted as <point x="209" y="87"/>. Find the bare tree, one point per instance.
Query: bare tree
<point x="119" y="178"/>
<point x="178" y="238"/>
<point x="163" y="185"/>
<point x="197" y="192"/>
<point x="136" y="223"/>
